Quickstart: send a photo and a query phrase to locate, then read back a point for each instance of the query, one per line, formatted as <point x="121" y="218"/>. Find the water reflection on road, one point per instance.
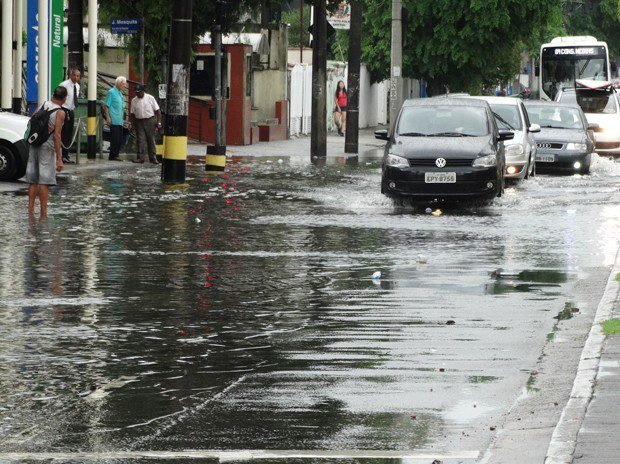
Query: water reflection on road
<point x="239" y="312"/>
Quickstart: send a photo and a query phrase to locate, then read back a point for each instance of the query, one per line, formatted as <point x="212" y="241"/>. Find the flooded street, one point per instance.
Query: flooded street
<point x="240" y="313"/>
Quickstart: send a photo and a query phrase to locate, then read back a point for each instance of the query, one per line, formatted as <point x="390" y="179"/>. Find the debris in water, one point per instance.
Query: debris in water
<point x="87" y="392"/>
<point x="422" y="259"/>
<point x="280" y="161"/>
<point x="574" y="310"/>
<point x="198" y="220"/>
<point x="492" y="428"/>
<point x="441" y="369"/>
<point x="376" y="275"/>
<point x="437" y="212"/>
<point x="450" y="322"/>
<point x="437" y="461"/>
<point x="414" y="417"/>
<point x="428" y="211"/>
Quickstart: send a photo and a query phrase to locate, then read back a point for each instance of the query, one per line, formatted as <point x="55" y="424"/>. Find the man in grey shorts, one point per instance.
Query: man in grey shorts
<point x="44" y="161"/>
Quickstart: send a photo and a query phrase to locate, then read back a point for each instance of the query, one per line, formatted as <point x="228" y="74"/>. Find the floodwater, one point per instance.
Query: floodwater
<point x="239" y="312"/>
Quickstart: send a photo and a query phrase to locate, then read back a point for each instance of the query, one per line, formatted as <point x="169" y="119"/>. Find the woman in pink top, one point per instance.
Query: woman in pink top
<point x="340" y="110"/>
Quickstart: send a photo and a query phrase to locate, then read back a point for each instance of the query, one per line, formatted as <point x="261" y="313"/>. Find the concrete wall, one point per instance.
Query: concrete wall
<point x="270" y="86"/>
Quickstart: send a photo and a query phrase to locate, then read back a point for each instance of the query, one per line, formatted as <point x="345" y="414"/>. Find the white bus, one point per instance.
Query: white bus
<point x="566" y="59"/>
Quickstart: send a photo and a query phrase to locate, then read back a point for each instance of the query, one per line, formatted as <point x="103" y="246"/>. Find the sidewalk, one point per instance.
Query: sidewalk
<point x="296" y="146"/>
<point x="588" y="430"/>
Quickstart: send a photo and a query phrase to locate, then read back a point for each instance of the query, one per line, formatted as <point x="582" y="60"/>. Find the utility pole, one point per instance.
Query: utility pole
<point x="75" y="37"/>
<point x="216" y="154"/>
<point x="43" y="53"/>
<point x="396" y="80"/>
<point x="18" y="57"/>
<point x="301" y="31"/>
<point x="353" y="79"/>
<point x="91" y="122"/>
<point x="318" y="136"/>
<point x="7" y="54"/>
<point x="177" y="98"/>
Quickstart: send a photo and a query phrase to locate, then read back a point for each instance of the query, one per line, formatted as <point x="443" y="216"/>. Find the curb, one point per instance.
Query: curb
<point x="564" y="438"/>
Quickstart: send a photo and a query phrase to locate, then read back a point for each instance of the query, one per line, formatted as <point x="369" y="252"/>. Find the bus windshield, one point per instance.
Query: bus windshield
<point x="561" y="66"/>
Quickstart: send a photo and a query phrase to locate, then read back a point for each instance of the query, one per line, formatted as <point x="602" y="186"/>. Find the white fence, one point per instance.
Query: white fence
<point x="373" y="102"/>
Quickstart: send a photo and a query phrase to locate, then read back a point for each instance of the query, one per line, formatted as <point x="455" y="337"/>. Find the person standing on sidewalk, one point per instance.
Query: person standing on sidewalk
<point x="146" y="119"/>
<point x="340" y="110"/>
<point x="114" y="109"/>
<point x="73" y="91"/>
<point x="42" y="164"/>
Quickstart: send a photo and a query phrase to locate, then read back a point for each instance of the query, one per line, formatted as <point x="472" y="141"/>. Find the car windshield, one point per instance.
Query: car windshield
<point x="507" y="116"/>
<point x="443" y="121"/>
<point x="555" y="117"/>
<point x="592" y="101"/>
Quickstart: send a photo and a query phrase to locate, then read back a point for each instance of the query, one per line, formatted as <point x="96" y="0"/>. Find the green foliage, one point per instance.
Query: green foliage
<point x="459" y="43"/>
<point x="157" y="14"/>
<point x="292" y="17"/>
<point x="598" y="18"/>
<point x="611" y="327"/>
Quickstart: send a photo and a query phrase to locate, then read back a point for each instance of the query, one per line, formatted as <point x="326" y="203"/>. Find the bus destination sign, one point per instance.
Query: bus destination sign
<point x="573" y="51"/>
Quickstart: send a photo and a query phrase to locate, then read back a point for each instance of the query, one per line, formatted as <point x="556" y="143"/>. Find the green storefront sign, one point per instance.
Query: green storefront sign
<point x="56" y="30"/>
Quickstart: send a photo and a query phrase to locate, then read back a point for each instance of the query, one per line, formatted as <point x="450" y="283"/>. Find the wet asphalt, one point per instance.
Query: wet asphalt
<point x="239" y="312"/>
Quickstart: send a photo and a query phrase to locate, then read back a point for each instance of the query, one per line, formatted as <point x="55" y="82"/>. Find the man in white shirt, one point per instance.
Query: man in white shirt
<point x="73" y="92"/>
<point x="145" y="118"/>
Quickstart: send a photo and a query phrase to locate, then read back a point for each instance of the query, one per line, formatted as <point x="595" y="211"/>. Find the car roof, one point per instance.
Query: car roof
<point x="496" y="100"/>
<point x="447" y="100"/>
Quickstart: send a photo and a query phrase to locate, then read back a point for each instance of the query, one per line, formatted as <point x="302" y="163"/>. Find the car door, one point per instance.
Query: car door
<point x="531" y="143"/>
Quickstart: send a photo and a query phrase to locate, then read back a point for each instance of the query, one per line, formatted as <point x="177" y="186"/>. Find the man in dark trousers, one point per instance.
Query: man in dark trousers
<point x="114" y="109"/>
<point x="45" y="160"/>
<point x="146" y="119"/>
<point x="73" y="92"/>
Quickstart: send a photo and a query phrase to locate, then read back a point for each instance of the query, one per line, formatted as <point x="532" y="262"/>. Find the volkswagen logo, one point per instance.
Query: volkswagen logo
<point x="440" y="162"/>
<point x="543" y="145"/>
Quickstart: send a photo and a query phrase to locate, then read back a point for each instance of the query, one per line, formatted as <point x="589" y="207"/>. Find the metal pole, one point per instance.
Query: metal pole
<point x="162" y="105"/>
<point x="353" y="92"/>
<point x="215" y="160"/>
<point x="75" y="38"/>
<point x="175" y="127"/>
<point x="43" y="51"/>
<point x="318" y="136"/>
<point x="396" y="82"/>
<point x="301" y="31"/>
<point x="91" y="124"/>
<point x="18" y="57"/>
<point x="7" y="54"/>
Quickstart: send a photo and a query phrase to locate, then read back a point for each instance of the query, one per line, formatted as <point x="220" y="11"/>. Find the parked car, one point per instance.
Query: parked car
<point x="444" y="148"/>
<point x="13" y="148"/>
<point x="566" y="140"/>
<point x="601" y="105"/>
<point x="520" y="151"/>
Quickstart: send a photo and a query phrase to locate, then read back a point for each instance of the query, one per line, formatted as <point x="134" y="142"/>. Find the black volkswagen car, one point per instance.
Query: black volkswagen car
<point x="444" y="149"/>
<point x="565" y="142"/>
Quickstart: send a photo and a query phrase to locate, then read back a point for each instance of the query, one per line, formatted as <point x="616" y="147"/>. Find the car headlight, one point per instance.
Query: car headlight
<point x="514" y="150"/>
<point x="396" y="161"/>
<point x="487" y="161"/>
<point x="576" y="146"/>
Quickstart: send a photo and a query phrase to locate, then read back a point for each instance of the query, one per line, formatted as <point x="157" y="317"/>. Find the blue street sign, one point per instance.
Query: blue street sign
<point x="32" y="70"/>
<point x="125" y="26"/>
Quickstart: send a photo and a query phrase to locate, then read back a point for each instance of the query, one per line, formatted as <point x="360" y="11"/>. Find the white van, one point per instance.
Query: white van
<point x="13" y="148"/>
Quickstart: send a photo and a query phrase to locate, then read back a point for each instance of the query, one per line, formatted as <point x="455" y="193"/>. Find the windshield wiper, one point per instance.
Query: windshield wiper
<point x="450" y="134"/>
<point x="413" y="134"/>
<point x="554" y="127"/>
<point x="503" y="121"/>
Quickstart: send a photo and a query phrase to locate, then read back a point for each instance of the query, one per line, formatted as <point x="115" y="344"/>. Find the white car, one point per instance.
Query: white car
<point x="521" y="151"/>
<point x="601" y="105"/>
<point x="13" y="148"/>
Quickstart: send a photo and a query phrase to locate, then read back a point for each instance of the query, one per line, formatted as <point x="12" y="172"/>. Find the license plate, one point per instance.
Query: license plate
<point x="440" y="177"/>
<point x="545" y="158"/>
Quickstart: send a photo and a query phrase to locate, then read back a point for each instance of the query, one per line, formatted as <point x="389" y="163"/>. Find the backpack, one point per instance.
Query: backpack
<point x="38" y="131"/>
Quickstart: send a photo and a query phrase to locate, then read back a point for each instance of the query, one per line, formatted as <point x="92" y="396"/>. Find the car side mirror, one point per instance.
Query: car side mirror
<point x="382" y="134"/>
<point x="534" y="128"/>
<point x="505" y="135"/>
<point x="593" y="126"/>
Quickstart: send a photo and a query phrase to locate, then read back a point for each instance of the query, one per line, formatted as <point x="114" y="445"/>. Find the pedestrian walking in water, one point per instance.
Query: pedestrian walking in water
<point x="114" y="109"/>
<point x="73" y="92"/>
<point x="340" y="109"/>
<point x="46" y="159"/>
<point x="146" y="119"/>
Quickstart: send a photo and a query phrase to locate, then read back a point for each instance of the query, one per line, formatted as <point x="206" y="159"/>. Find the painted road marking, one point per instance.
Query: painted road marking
<point x="244" y="455"/>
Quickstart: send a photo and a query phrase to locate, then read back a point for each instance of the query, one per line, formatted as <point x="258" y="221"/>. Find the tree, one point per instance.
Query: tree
<point x="157" y="14"/>
<point x="462" y="44"/>
<point x="599" y="18"/>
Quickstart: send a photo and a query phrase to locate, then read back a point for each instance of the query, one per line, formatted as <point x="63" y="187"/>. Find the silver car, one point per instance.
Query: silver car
<point x="520" y="151"/>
